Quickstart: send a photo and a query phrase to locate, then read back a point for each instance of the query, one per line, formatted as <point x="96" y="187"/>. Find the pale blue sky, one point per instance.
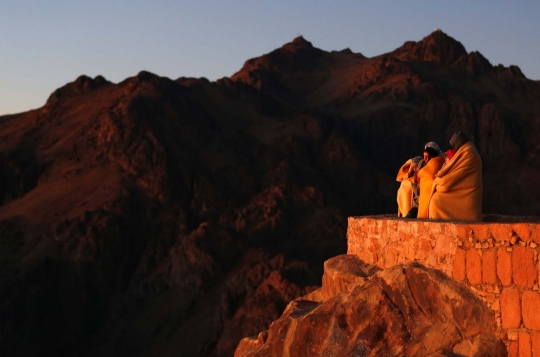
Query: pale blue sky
<point x="47" y="43"/>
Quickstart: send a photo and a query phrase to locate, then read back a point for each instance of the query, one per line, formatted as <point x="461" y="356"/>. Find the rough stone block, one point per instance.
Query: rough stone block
<point x="364" y="224"/>
<point x="443" y="246"/>
<point x="450" y="231"/>
<point x="504" y="266"/>
<point x="442" y="228"/>
<point x="435" y="228"/>
<point x="524" y="344"/>
<point x="373" y="227"/>
<point x="421" y="229"/>
<point x="405" y="237"/>
<point x="463" y="231"/>
<point x="425" y="246"/>
<point x="535" y="233"/>
<point x="481" y="230"/>
<point x="524" y="273"/>
<point x="500" y="231"/>
<point x="404" y="229"/>
<point x="523" y="230"/>
<point x="510" y="308"/>
<point x="474" y="267"/>
<point x="392" y="226"/>
<point x="489" y="267"/>
<point x="530" y="306"/>
<point x="384" y="227"/>
<point x="496" y="305"/>
<point x="535" y="341"/>
<point x="513" y="349"/>
<point x="459" y="272"/>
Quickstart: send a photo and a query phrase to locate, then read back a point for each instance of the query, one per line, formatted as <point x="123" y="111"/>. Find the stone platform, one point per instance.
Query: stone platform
<point x="497" y="258"/>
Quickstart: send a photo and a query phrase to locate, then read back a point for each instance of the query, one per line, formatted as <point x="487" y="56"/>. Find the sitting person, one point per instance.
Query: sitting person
<point x="457" y="188"/>
<point x="434" y="161"/>
<point x="434" y="149"/>
<point x="407" y="195"/>
<point x="448" y="155"/>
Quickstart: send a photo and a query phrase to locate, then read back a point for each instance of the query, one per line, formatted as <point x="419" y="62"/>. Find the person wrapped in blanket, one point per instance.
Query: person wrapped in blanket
<point x="434" y="160"/>
<point x="408" y="192"/>
<point x="457" y="189"/>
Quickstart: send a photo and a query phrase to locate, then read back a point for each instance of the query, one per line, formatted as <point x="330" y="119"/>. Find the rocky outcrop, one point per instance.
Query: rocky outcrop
<point x="407" y="310"/>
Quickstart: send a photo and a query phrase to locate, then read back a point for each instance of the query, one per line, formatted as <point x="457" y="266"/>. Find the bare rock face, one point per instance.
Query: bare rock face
<point x="407" y="310"/>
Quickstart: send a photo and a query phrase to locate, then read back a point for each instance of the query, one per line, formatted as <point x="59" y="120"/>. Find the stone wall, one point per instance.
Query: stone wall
<point x="496" y="258"/>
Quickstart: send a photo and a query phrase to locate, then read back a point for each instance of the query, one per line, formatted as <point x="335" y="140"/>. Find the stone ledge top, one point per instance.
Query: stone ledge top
<point x="486" y="218"/>
<point x="494" y="230"/>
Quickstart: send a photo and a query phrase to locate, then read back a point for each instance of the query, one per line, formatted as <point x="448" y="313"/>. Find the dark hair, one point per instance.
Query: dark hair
<point x="431" y="152"/>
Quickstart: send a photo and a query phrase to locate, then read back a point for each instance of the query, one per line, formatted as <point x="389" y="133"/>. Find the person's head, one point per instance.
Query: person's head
<point x="430" y="153"/>
<point x="416" y="164"/>
<point x="433" y="151"/>
<point x="458" y="139"/>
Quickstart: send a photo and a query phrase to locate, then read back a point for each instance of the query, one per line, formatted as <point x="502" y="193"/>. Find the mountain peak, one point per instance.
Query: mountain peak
<point x="298" y="55"/>
<point x="440" y="38"/>
<point x="298" y="44"/>
<point x="300" y="40"/>
<point x="82" y="84"/>
<point x="436" y="47"/>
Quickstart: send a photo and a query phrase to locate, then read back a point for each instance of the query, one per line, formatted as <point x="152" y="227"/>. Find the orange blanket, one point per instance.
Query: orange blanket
<point x="457" y="188"/>
<point x="403" y="172"/>
<point x="426" y="176"/>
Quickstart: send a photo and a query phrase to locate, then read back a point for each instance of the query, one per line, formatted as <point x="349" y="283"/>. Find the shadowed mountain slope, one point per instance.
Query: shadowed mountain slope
<point x="161" y="217"/>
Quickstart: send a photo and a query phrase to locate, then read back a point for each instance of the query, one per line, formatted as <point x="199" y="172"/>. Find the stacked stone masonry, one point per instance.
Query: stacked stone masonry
<point x="496" y="258"/>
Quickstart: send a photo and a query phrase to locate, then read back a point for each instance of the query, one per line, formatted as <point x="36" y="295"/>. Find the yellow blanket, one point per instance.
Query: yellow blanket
<point x="426" y="176"/>
<point x="405" y="191"/>
<point x="405" y="197"/>
<point x="457" y="188"/>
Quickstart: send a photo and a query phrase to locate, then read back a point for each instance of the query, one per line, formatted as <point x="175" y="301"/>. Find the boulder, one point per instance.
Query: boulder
<point x="407" y="310"/>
